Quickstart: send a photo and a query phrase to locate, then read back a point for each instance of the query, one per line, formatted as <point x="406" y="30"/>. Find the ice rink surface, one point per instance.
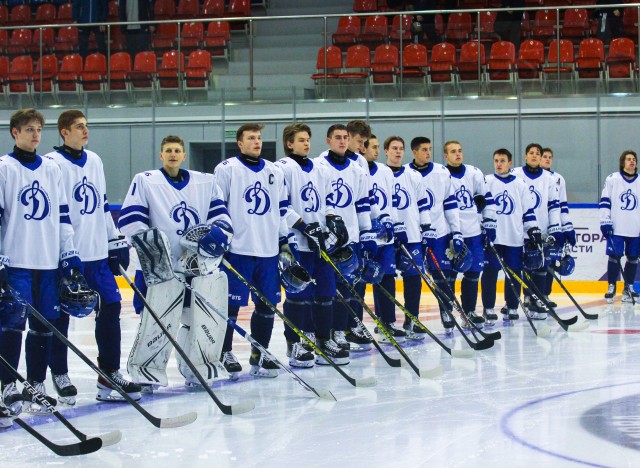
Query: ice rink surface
<point x="569" y="399"/>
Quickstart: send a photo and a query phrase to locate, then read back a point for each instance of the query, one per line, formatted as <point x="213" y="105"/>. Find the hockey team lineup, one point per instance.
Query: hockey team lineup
<point x="322" y="229"/>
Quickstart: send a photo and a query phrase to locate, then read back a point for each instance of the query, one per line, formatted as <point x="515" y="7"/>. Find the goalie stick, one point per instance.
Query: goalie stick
<point x="79" y="448"/>
<point x="365" y="382"/>
<point x="177" y="421"/>
<point x="107" y="439"/>
<point x="391" y="361"/>
<point x="544" y="331"/>
<point x="440" y="297"/>
<point x="472" y="326"/>
<point x="422" y="373"/>
<point x="564" y="288"/>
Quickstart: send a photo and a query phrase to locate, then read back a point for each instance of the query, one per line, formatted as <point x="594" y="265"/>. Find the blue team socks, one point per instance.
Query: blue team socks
<point x="469" y="291"/>
<point x="108" y="335"/>
<point x="613" y="270"/>
<point x="489" y="280"/>
<point x="37" y="349"/>
<point x="412" y="291"/>
<point x="10" y="348"/>
<point x="322" y="312"/>
<point x="296" y="311"/>
<point x="262" y="324"/>
<point x="228" y="336"/>
<point x="58" y="362"/>
<point x="384" y="308"/>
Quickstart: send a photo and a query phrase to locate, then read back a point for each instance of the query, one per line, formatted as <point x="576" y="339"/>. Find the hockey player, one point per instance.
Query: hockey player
<point x="254" y="192"/>
<point x="351" y="225"/>
<point x="514" y="217"/>
<point x="544" y="192"/>
<point x="101" y="248"/>
<point x="307" y="187"/>
<point x="410" y="221"/>
<point x="37" y="238"/>
<point x="568" y="233"/>
<point x="445" y="218"/>
<point x="186" y="206"/>
<point x="471" y="195"/>
<point x="620" y="224"/>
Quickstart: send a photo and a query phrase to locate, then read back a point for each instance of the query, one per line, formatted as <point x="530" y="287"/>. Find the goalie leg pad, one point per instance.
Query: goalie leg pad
<point x="151" y="349"/>
<point x="203" y="336"/>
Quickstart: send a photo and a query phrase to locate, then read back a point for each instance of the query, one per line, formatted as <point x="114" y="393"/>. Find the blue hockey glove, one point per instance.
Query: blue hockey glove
<point x="400" y="234"/>
<point x="488" y="231"/>
<point x="118" y="255"/>
<point x="217" y="241"/>
<point x="368" y="245"/>
<point x="428" y="236"/>
<point x="535" y="235"/>
<point x="458" y="243"/>
<point x="387" y="224"/>
<point x="606" y="227"/>
<point x="570" y="236"/>
<point x="70" y="265"/>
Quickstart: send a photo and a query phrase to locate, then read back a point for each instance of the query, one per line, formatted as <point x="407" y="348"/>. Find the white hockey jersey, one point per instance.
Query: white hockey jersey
<point x="410" y="202"/>
<point x="544" y="193"/>
<point x="567" y="225"/>
<point x="468" y="183"/>
<point x="86" y="192"/>
<point x="256" y="198"/>
<point x="349" y="195"/>
<point x="440" y="197"/>
<point x="619" y="204"/>
<point x="35" y="226"/>
<point x="153" y="200"/>
<point x="513" y="211"/>
<point x="307" y="187"/>
<point x="381" y="193"/>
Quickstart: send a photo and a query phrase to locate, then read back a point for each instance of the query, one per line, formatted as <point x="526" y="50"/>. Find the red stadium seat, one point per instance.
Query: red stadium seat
<point x="357" y="65"/>
<point x="4" y="16"/>
<point x="530" y="60"/>
<point x="48" y="41"/>
<point x="384" y="64"/>
<point x="4" y="71"/>
<point x="501" y="65"/>
<point x="563" y="64"/>
<point x="458" y="28"/>
<point x="119" y="71"/>
<point x="630" y="22"/>
<point x="198" y="72"/>
<point x="70" y="74"/>
<point x="21" y="74"/>
<point x="143" y="75"/>
<point x="66" y="40"/>
<point x="45" y="14"/>
<point x="347" y="33"/>
<point x="65" y="13"/>
<point x="164" y="10"/>
<point x="94" y="75"/>
<point x="43" y="82"/>
<point x="443" y="64"/>
<point x="620" y="64"/>
<point x="192" y="36"/>
<point x="401" y="28"/>
<point x="575" y="25"/>
<point x="544" y="25"/>
<point x="20" y="42"/>
<point x="20" y="15"/>
<point x="164" y="38"/>
<point x="468" y="63"/>
<point x="216" y="40"/>
<point x="4" y="40"/>
<point x="171" y="73"/>
<point x="486" y="31"/>
<point x="376" y="31"/>
<point x="213" y="9"/>
<point x="590" y="59"/>
<point x="414" y="64"/>
<point x="113" y="13"/>
<point x="333" y="64"/>
<point x="188" y="9"/>
<point x="365" y="6"/>
<point x="239" y="8"/>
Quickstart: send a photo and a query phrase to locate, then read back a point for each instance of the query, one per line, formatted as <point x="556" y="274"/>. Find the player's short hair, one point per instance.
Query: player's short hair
<point x="504" y="151"/>
<point x="335" y="127"/>
<point x="66" y="119"/>
<point x="371" y="137"/>
<point x="171" y="139"/>
<point x="388" y="141"/>
<point x="418" y="141"/>
<point x="359" y="127"/>
<point x="289" y="134"/>
<point x="251" y="127"/>
<point x="533" y="145"/>
<point x="547" y="150"/>
<point x="23" y="117"/>
<point x="450" y="142"/>
<point x="623" y="157"/>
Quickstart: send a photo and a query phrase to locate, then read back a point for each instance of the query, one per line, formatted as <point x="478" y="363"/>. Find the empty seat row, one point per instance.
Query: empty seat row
<point x="190" y="9"/>
<point x="74" y="75"/>
<point x="445" y="66"/>
<point x="45" y="13"/>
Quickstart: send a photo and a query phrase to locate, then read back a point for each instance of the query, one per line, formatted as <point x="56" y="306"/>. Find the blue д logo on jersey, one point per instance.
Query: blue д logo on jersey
<point x="504" y="203"/>
<point x="537" y="199"/>
<point x="310" y="195"/>
<point x="629" y="201"/>
<point x="258" y="198"/>
<point x="87" y="194"/>
<point x="464" y="198"/>
<point x="181" y="213"/>
<point x="401" y="198"/>
<point x="37" y="200"/>
<point x="342" y="194"/>
<point x="379" y="196"/>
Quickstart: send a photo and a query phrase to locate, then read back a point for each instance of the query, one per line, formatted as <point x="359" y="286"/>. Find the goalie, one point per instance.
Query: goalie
<point x="195" y="230"/>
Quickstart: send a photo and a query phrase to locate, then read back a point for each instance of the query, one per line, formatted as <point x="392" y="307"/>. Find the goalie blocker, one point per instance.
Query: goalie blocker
<point x="202" y="332"/>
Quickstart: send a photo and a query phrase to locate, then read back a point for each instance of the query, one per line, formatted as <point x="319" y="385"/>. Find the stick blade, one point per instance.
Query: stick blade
<point x="462" y="353"/>
<point x="366" y="382"/>
<point x="579" y="327"/>
<point x="484" y="344"/>
<point x="324" y="394"/>
<point x="242" y="407"/>
<point x="178" y="421"/>
<point x="110" y="438"/>
<point x="430" y="373"/>
<point x="569" y="321"/>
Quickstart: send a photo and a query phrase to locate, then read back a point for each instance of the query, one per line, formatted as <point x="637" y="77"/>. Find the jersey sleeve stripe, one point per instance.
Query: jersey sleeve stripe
<point x="135" y="209"/>
<point x="217" y="212"/>
<point x="133" y="218"/>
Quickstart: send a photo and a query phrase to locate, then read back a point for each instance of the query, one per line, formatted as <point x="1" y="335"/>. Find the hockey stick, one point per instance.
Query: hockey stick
<point x="422" y="373"/>
<point x="472" y="326"/>
<point x="391" y="361"/>
<point x="177" y="421"/>
<point x="238" y="408"/>
<point x="535" y="294"/>
<point x="459" y="353"/>
<point x="79" y="448"/>
<point x="619" y="262"/>
<point x="564" y="288"/>
<point x="107" y="439"/>
<point x="366" y="382"/>
<point x="320" y="393"/>
<point x="441" y="297"/>
<point x="508" y="279"/>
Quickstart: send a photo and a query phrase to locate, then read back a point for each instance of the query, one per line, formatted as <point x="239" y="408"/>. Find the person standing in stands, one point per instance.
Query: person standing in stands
<point x="90" y="11"/>
<point x="137" y="34"/>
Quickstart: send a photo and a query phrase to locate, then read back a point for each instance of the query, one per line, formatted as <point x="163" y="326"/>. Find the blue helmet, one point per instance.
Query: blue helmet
<point x="371" y="272"/>
<point x="76" y="298"/>
<point x="346" y="260"/>
<point x="566" y="266"/>
<point x="532" y="257"/>
<point x="293" y="277"/>
<point x="461" y="261"/>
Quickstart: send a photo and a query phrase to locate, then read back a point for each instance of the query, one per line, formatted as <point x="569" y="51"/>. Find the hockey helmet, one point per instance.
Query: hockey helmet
<point x="345" y="259"/>
<point x="76" y="298"/>
<point x="293" y="277"/>
<point x="193" y="264"/>
<point x="552" y="250"/>
<point x="403" y="262"/>
<point x="532" y="257"/>
<point x="566" y="266"/>
<point x="371" y="272"/>
<point x="460" y="261"/>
